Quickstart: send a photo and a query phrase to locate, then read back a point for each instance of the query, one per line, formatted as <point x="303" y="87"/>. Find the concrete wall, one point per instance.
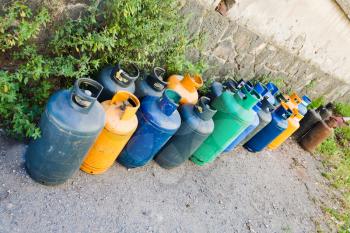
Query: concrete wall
<point x="305" y="42"/>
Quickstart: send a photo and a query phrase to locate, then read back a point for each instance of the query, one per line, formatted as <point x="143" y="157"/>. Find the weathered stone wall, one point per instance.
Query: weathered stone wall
<point x="233" y="49"/>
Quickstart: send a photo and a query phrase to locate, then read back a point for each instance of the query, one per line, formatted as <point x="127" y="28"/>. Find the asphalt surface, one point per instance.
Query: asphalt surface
<point x="272" y="191"/>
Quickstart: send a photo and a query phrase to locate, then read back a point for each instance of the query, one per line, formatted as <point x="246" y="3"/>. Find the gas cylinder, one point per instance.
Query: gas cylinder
<point x="151" y="84"/>
<point x="234" y="114"/>
<point x="277" y="125"/>
<point x="320" y="132"/>
<point x="264" y="114"/>
<point x="186" y="87"/>
<point x="293" y="125"/>
<point x="302" y="107"/>
<point x="70" y="124"/>
<point x="312" y="117"/>
<point x="158" y="122"/>
<point x="196" y="126"/>
<point x="121" y="123"/>
<point x="259" y="88"/>
<point x="117" y="78"/>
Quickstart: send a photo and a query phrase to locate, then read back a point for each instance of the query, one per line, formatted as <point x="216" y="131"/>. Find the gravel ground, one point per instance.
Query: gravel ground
<point x="272" y="191"/>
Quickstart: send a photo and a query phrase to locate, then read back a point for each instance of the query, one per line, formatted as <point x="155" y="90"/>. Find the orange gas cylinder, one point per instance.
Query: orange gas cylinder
<point x="121" y="123"/>
<point x="186" y="87"/>
<point x="293" y="125"/>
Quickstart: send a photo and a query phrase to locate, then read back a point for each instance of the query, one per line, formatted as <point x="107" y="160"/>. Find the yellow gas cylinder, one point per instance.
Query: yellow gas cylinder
<point x="293" y="125"/>
<point x="293" y="101"/>
<point x="186" y="87"/>
<point x="121" y="123"/>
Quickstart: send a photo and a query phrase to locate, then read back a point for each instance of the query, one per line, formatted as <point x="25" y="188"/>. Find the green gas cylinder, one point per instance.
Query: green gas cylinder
<point x="234" y="115"/>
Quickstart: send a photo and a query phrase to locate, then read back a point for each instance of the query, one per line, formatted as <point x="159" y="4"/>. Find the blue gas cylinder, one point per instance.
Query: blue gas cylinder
<point x="151" y="83"/>
<point x="69" y="126"/>
<point x="277" y="125"/>
<point x="158" y="122"/>
<point x="120" y="77"/>
<point x="272" y="92"/>
<point x="302" y="107"/>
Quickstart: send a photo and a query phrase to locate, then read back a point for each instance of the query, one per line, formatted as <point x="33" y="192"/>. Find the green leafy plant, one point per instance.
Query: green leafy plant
<point x="147" y="32"/>
<point x="316" y="103"/>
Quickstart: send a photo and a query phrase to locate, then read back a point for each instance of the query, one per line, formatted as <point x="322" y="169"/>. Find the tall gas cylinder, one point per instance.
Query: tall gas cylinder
<point x="196" y="126"/>
<point x="70" y="124"/>
<point x="151" y="84"/>
<point x="277" y="125"/>
<point x="320" y="132"/>
<point x="121" y="123"/>
<point x="234" y="114"/>
<point x="186" y="87"/>
<point x="265" y="117"/>
<point x="158" y="122"/>
<point x="293" y="125"/>
<point x="272" y="92"/>
<point x="302" y="107"/>
<point x="260" y="89"/>
<point x="312" y="117"/>
<point x="120" y="77"/>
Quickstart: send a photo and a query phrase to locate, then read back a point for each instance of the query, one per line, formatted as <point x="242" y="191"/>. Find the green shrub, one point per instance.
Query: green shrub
<point x="147" y="32"/>
<point x="342" y="109"/>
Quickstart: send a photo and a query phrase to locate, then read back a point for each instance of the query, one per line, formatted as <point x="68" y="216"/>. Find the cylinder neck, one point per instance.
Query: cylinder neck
<point x="125" y="74"/>
<point x="283" y="111"/>
<point x="266" y="106"/>
<point x="272" y="88"/>
<point x="260" y="88"/>
<point x="192" y="83"/>
<point x="281" y="98"/>
<point x="230" y="85"/>
<point x="84" y="94"/>
<point x="203" y="109"/>
<point x="127" y="102"/>
<point x="156" y="80"/>
<point x="247" y="99"/>
<point x="295" y="99"/>
<point x="306" y="101"/>
<point x="168" y="102"/>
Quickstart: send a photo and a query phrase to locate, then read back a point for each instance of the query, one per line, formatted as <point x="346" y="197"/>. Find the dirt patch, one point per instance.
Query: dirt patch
<point x="272" y="191"/>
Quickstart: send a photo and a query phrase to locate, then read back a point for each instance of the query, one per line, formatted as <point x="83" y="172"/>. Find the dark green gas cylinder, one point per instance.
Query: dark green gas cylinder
<point x="234" y="114"/>
<point x="69" y="126"/>
<point x="196" y="126"/>
<point x="120" y="77"/>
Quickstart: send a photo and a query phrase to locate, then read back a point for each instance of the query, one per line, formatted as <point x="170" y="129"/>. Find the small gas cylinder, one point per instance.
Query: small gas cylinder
<point x="196" y="126"/>
<point x="312" y="117"/>
<point x="69" y="126"/>
<point x="186" y="87"/>
<point x="320" y="132"/>
<point x="151" y="84"/>
<point x="158" y="122"/>
<point x="277" y="125"/>
<point x="121" y="123"/>
<point x="120" y="77"/>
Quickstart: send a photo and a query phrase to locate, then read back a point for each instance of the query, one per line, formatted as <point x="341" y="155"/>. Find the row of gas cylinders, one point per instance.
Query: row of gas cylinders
<point x="119" y="116"/>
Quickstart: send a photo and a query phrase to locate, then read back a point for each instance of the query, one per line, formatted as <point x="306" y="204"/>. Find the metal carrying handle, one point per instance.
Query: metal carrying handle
<point x="85" y="92"/>
<point x="156" y="80"/>
<point x="122" y="76"/>
<point x="130" y="103"/>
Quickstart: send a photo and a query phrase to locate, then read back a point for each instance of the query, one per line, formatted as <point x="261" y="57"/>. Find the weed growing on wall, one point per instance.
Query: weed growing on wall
<point x="147" y="32"/>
